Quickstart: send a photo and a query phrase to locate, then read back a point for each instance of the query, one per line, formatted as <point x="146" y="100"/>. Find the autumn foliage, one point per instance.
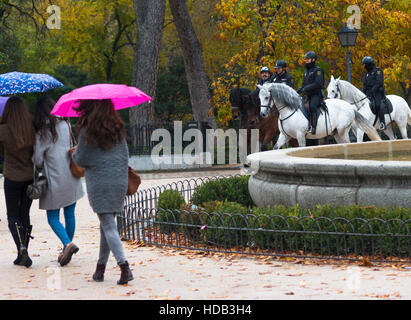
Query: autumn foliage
<point x="269" y="30"/>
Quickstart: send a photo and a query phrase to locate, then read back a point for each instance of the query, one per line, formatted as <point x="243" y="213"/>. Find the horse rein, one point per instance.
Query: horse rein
<point x="339" y="91"/>
<point x="278" y="111"/>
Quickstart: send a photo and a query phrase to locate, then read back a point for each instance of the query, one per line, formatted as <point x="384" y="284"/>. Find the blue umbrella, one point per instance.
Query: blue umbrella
<point x="19" y="82"/>
<point x="3" y="101"/>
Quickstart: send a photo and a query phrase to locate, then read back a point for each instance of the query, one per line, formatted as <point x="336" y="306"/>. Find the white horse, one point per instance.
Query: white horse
<point x="293" y="124"/>
<point x="401" y="113"/>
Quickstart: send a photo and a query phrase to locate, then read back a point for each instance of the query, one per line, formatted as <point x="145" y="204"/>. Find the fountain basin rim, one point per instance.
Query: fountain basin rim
<point x="297" y="157"/>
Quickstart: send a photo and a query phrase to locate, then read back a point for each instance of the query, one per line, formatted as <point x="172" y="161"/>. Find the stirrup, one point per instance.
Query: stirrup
<point x="382" y="126"/>
<point x="311" y="129"/>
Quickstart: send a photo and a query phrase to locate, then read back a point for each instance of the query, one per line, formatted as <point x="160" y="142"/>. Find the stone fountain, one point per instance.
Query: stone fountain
<point x="367" y="174"/>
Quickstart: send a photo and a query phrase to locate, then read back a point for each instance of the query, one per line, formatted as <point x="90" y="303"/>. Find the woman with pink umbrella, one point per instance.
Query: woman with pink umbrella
<point x="102" y="150"/>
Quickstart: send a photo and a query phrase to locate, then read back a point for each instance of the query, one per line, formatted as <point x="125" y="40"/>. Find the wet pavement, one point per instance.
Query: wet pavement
<point x="174" y="274"/>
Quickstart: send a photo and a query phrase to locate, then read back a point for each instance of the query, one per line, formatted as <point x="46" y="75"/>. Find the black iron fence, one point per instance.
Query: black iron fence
<point x="298" y="237"/>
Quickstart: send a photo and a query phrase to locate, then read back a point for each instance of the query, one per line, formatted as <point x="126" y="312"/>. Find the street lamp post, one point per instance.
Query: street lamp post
<point x="348" y="37"/>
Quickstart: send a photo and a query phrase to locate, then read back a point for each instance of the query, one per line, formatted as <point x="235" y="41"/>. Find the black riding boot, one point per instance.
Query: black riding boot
<point x="24" y="234"/>
<point x="314" y="118"/>
<point x="14" y="234"/>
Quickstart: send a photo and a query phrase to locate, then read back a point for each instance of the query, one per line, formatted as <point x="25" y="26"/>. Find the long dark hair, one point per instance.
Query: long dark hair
<point x="43" y="120"/>
<point x="103" y="125"/>
<point x="20" y="123"/>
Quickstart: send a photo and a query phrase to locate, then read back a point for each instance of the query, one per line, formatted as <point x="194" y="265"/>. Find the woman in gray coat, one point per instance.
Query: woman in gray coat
<point x="102" y="150"/>
<point x="64" y="190"/>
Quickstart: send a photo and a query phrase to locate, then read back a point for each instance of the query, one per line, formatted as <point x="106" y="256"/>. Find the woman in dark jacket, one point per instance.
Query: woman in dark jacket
<point x="17" y="137"/>
<point x="102" y="150"/>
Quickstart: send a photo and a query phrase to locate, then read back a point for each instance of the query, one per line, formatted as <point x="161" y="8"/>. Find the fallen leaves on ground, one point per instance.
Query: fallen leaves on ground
<point x="263" y="256"/>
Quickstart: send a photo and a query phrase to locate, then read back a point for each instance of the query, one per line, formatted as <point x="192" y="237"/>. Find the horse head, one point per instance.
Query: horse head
<point x="266" y="100"/>
<point x="237" y="100"/>
<point x="253" y="108"/>
<point x="333" y="89"/>
<point x="245" y="104"/>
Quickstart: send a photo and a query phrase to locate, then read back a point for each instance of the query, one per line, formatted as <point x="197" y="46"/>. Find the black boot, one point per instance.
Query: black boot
<point x="14" y="234"/>
<point x="314" y="119"/>
<point x="24" y="234"/>
<point x="18" y="259"/>
<point x="126" y="274"/>
<point x="98" y="276"/>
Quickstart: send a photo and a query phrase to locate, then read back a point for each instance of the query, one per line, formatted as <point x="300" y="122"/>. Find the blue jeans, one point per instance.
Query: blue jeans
<point x="66" y="233"/>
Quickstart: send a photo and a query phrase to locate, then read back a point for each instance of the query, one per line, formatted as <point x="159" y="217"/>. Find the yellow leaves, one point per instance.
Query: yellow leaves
<point x="222" y="37"/>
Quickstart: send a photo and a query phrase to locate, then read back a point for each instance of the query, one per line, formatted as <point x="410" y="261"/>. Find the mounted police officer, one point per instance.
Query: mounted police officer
<point x="265" y="76"/>
<point x="373" y="87"/>
<point x="281" y="75"/>
<point x="312" y="86"/>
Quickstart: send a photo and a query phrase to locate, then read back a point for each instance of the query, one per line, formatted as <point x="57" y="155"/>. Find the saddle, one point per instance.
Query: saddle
<point x="305" y="108"/>
<point x="386" y="106"/>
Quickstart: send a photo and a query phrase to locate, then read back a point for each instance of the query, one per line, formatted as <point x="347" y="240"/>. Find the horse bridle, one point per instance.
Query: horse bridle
<point x="339" y="92"/>
<point x="274" y="107"/>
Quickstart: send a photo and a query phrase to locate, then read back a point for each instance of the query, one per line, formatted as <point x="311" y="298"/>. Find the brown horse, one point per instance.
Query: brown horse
<point x="246" y="104"/>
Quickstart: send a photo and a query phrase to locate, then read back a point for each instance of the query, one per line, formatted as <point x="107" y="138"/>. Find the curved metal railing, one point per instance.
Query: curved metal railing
<point x="262" y="234"/>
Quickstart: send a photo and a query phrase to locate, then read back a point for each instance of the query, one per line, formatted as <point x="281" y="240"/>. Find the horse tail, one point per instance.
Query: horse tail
<point x="364" y="126"/>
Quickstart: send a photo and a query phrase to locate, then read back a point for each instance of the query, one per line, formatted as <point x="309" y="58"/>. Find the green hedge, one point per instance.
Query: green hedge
<point x="169" y="201"/>
<point x="326" y="230"/>
<point x="233" y="189"/>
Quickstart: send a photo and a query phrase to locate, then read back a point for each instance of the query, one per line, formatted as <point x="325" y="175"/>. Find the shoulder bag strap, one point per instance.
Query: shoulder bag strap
<point x="72" y="138"/>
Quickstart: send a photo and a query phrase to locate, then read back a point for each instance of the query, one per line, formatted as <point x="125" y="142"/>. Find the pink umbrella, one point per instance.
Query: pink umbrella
<point x="121" y="95"/>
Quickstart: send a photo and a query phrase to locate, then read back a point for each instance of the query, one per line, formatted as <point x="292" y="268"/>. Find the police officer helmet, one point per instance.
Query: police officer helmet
<point x="310" y="55"/>
<point x="367" y="60"/>
<point x="280" y="64"/>
<point x="265" y="69"/>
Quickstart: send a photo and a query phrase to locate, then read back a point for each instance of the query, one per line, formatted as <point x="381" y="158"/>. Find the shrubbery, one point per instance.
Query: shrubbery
<point x="233" y="189"/>
<point x="169" y="203"/>
<point x="170" y="200"/>
<point x="223" y="216"/>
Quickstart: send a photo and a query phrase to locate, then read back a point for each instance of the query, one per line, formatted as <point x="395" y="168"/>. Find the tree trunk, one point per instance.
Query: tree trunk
<point x="193" y="62"/>
<point x="150" y="21"/>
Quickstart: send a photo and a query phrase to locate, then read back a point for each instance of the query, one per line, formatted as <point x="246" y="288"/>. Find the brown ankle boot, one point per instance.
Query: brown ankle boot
<point x="98" y="276"/>
<point x="68" y="252"/>
<point x="126" y="274"/>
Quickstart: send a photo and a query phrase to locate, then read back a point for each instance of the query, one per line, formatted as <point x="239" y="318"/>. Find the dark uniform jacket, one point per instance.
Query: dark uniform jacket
<point x="373" y="82"/>
<point x="269" y="80"/>
<point x="285" y="78"/>
<point x="313" y="81"/>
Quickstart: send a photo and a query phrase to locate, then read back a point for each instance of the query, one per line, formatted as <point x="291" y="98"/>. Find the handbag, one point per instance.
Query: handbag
<point x="76" y="170"/>
<point x="134" y="181"/>
<point x="39" y="185"/>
